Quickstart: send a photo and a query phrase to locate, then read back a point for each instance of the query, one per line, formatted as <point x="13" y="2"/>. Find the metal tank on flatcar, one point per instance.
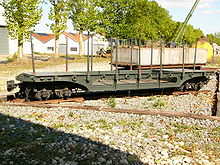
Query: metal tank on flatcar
<point x="171" y="57"/>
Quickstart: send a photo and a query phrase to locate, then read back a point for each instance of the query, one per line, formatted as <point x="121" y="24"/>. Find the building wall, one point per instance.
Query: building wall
<point x="40" y="47"/>
<point x="27" y="47"/>
<point x="4" y="41"/>
<point x="7" y="46"/>
<point x="13" y="46"/>
<point x="73" y="46"/>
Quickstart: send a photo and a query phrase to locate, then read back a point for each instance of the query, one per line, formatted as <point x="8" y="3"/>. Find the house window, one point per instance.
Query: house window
<point x="50" y="48"/>
<point x="73" y="48"/>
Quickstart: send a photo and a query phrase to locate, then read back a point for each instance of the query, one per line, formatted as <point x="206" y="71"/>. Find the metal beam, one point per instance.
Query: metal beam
<point x="181" y="30"/>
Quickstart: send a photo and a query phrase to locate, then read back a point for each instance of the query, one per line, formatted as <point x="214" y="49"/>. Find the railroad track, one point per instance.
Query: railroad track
<point x="55" y="104"/>
<point x="190" y="92"/>
<point x="116" y="110"/>
<point x="55" y="101"/>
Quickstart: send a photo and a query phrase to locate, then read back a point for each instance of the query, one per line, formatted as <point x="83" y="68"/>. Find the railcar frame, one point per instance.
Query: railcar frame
<point x="64" y="84"/>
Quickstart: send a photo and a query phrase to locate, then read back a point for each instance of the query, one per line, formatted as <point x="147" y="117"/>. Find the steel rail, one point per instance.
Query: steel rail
<point x="116" y="110"/>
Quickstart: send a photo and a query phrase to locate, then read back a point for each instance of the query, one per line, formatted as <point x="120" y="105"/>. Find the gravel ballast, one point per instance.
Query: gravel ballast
<point x="200" y="103"/>
<point x="64" y="136"/>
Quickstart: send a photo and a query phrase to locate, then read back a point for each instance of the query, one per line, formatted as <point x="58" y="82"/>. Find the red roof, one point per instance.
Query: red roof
<point x="43" y="37"/>
<point x="75" y="36"/>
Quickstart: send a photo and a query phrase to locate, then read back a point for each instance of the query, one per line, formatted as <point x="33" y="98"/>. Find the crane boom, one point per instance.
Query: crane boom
<point x="181" y="30"/>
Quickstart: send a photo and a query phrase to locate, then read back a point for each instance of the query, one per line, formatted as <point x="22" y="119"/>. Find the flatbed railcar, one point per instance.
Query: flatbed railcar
<point x="46" y="85"/>
<point x="61" y="84"/>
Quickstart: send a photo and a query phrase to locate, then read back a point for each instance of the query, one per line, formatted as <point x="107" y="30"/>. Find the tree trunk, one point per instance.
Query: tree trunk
<point x="81" y="48"/>
<point x="20" y="49"/>
<point x="56" y="47"/>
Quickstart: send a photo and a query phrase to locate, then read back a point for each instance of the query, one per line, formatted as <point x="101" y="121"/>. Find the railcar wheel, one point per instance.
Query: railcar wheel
<point x="27" y="94"/>
<point x="58" y="93"/>
<point x="45" y="94"/>
<point x="38" y="95"/>
<point x="196" y="86"/>
<point x="66" y="93"/>
<point x="199" y="85"/>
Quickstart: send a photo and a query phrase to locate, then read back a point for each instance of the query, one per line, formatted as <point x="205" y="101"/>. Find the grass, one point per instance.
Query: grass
<point x="146" y="135"/>
<point x="61" y="125"/>
<point x="103" y="124"/>
<point x="13" y="58"/>
<point x="111" y="102"/>
<point x="71" y="114"/>
<point x="152" y="98"/>
<point x="155" y="102"/>
<point x="90" y="126"/>
<point x="159" y="103"/>
<point x="135" y="123"/>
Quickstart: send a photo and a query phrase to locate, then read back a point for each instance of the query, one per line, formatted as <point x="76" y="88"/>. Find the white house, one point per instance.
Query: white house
<point x="7" y="46"/>
<point x="96" y="41"/>
<point x="73" y="43"/>
<point x="45" y="43"/>
<point x="216" y="48"/>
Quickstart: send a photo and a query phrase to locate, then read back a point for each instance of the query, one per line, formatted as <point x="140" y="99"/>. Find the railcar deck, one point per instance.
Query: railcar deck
<point x="115" y="80"/>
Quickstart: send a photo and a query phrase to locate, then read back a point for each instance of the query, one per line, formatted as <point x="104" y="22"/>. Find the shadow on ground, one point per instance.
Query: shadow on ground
<point x="23" y="142"/>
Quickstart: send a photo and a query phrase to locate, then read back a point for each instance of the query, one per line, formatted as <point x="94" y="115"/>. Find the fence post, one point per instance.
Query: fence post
<point x="32" y="55"/>
<point x="67" y="67"/>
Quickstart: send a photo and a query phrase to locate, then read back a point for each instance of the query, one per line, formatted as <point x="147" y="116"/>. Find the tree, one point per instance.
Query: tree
<point x="59" y="15"/>
<point x="214" y="38"/>
<point x="115" y="21"/>
<point x="21" y="16"/>
<point x="191" y="34"/>
<point x="84" y="15"/>
<point x="132" y="18"/>
<point x="151" y="21"/>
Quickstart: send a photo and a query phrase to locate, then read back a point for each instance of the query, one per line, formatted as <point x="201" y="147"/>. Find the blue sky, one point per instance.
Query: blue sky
<point x="206" y="16"/>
